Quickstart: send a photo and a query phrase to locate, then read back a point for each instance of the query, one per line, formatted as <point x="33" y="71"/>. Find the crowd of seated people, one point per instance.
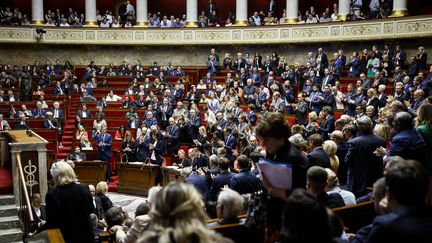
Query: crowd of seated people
<point x="178" y="211"/>
<point x="232" y="123"/>
<point x="208" y="18"/>
<point x="15" y="17"/>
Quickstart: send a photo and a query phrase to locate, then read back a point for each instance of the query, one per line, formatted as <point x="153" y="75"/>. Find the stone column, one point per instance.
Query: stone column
<point x="291" y="12"/>
<point x="37" y="12"/>
<point x="192" y="13"/>
<point x="344" y="8"/>
<point x="399" y="8"/>
<point x="90" y="13"/>
<point x="142" y="14"/>
<point x="241" y="13"/>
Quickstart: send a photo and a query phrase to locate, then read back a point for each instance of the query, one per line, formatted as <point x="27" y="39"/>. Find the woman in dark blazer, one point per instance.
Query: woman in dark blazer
<point x="69" y="205"/>
<point x="101" y="189"/>
<point x="156" y="148"/>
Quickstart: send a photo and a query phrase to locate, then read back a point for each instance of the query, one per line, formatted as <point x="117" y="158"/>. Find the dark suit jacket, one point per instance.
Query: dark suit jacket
<point x="98" y="209"/>
<point x="406" y="224"/>
<point x="43" y="215"/>
<point x="158" y="149"/>
<point x="326" y="127"/>
<point x="341" y="152"/>
<point x="319" y="157"/>
<point x="107" y="143"/>
<point x="201" y="161"/>
<point x="332" y="200"/>
<point x="409" y="144"/>
<point x="173" y="142"/>
<point x="244" y="182"/>
<point x="364" y="167"/>
<point x="350" y="109"/>
<point x="200" y="183"/>
<point x="105" y="202"/>
<point x="219" y="182"/>
<point x="68" y="208"/>
<point x="80" y="113"/>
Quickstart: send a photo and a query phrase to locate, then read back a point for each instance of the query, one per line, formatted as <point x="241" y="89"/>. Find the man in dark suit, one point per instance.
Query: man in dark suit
<point x="202" y="23"/>
<point x="318" y="157"/>
<point x="407" y="143"/>
<point x="220" y="180"/>
<point x="133" y="122"/>
<point x="239" y="62"/>
<point x="364" y="167"/>
<point x="230" y="144"/>
<point x="323" y="57"/>
<point x="197" y="179"/>
<point x="38" y="211"/>
<point x="58" y="112"/>
<point x="272" y="7"/>
<point x="349" y="101"/>
<point x="149" y="119"/>
<point x="199" y="159"/>
<point x="172" y="137"/>
<point x="341" y="151"/>
<point x="38" y="112"/>
<point x="84" y="113"/>
<point x="97" y="203"/>
<point x="399" y="57"/>
<point x="327" y="125"/>
<point x="410" y="219"/>
<point x="316" y="183"/>
<point x="77" y="155"/>
<point x="328" y="79"/>
<point x="104" y="142"/>
<point x="244" y="182"/>
<point x="194" y="122"/>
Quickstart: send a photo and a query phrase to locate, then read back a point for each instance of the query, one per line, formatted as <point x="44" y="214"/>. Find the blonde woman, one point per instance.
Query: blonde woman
<point x="178" y="216"/>
<point x="101" y="189"/>
<point x="383" y="131"/>
<point x="69" y="205"/>
<point x="80" y="133"/>
<point x="330" y="148"/>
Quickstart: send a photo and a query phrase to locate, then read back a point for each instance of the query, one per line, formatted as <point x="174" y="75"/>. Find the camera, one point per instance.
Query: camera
<point x="40" y="31"/>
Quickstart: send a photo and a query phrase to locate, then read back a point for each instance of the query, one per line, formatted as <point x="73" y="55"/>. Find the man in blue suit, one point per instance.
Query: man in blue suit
<point x="244" y="182"/>
<point x="230" y="144"/>
<point x="104" y="142"/>
<point x="327" y="126"/>
<point x="364" y="167"/>
<point x="172" y="136"/>
<point x="407" y="143"/>
<point x="349" y="101"/>
<point x="410" y="219"/>
<point x="222" y="179"/>
<point x="318" y="157"/>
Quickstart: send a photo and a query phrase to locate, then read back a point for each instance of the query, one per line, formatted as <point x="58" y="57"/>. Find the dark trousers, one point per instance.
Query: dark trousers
<point x="105" y="156"/>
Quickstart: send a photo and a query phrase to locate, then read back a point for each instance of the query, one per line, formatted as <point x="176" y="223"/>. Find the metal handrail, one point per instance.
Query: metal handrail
<point x="24" y="193"/>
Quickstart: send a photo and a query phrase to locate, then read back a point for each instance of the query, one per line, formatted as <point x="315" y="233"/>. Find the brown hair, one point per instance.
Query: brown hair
<point x="273" y="125"/>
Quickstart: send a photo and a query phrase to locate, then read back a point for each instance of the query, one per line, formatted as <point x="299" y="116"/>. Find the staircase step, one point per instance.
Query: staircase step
<point x="8" y="210"/>
<point x="7" y="199"/>
<point x="10" y="222"/>
<point x="11" y="235"/>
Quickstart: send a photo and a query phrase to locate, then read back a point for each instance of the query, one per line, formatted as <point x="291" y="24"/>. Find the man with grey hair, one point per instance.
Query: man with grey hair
<point x="228" y="208"/>
<point x="364" y="167"/>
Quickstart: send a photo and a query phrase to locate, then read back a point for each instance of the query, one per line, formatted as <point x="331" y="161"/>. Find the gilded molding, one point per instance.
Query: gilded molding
<point x="391" y="28"/>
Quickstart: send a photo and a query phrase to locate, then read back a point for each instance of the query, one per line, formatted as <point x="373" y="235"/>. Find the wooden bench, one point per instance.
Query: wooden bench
<point x="356" y="216"/>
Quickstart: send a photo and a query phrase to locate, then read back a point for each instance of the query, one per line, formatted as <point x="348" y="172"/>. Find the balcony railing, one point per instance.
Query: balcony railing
<point x="391" y="28"/>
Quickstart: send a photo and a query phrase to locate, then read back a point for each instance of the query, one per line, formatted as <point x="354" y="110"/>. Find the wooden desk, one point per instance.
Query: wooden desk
<point x="136" y="178"/>
<point x="171" y="173"/>
<point x="90" y="172"/>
